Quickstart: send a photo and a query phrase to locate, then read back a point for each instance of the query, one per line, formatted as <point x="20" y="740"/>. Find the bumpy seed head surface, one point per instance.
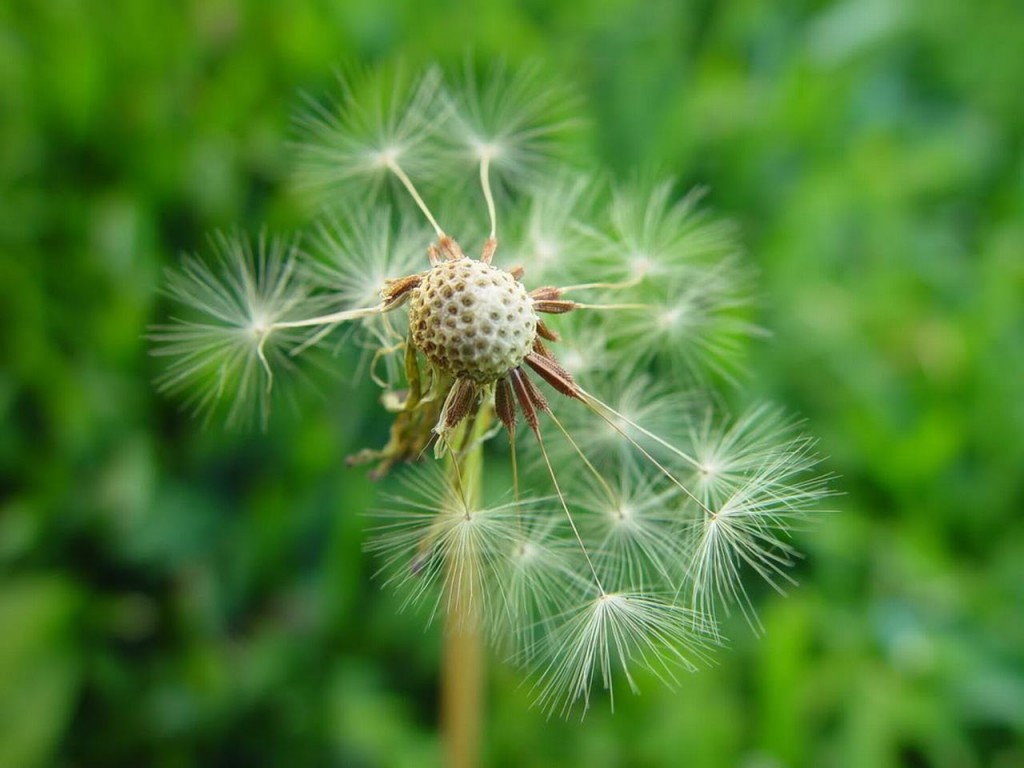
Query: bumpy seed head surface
<point x="472" y="320"/>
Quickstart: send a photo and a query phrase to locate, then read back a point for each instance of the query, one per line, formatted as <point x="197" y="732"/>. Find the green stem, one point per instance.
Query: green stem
<point x="462" y="666"/>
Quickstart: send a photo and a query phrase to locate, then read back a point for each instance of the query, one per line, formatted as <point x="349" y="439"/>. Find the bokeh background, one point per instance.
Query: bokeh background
<point x="179" y="595"/>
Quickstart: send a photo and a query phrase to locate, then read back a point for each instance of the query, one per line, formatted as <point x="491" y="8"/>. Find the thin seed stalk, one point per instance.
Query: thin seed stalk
<point x="462" y="665"/>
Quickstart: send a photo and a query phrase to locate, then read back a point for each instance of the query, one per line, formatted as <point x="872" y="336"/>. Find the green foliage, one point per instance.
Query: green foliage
<point x="39" y="666"/>
<point x="173" y="596"/>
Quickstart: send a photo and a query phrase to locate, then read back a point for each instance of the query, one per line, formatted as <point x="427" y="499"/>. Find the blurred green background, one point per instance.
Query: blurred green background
<point x="174" y="595"/>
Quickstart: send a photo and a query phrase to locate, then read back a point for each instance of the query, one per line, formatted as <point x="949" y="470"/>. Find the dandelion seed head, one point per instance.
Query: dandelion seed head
<point x="472" y="320"/>
<point x="438" y="546"/>
<point x="221" y="345"/>
<point x="671" y="319"/>
<point x="526" y="552"/>
<point x="623" y="631"/>
<point x="540" y="581"/>
<point x="654" y="234"/>
<point x="486" y="150"/>
<point x="709" y="467"/>
<point x="512" y="119"/>
<point x="729" y="452"/>
<point x="550" y="238"/>
<point x="260" y="324"/>
<point x="632" y="520"/>
<point x="748" y="525"/>
<point x="377" y="120"/>
<point x="694" y="322"/>
<point x="640" y="264"/>
<point x="386" y="156"/>
<point x="545" y="249"/>
<point x="655" y="511"/>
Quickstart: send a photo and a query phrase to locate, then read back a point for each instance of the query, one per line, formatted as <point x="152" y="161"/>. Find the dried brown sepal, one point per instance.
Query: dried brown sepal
<point x="450" y="249"/>
<point x="546" y="333"/>
<point x="397" y="291"/>
<point x="555" y="375"/>
<point x="517" y="272"/>
<point x="539" y="401"/>
<point x="536" y="397"/>
<point x="504" y="405"/>
<point x="546" y="293"/>
<point x="490" y="246"/>
<point x="521" y="386"/>
<point x="460" y="401"/>
<point x="557" y="307"/>
<point x="540" y="348"/>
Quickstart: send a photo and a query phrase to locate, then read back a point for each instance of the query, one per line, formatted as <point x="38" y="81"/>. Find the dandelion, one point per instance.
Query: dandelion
<point x="634" y="514"/>
<point x="382" y="126"/>
<point x="236" y="326"/>
<point x="550" y="232"/>
<point x="755" y="480"/>
<point x="617" y="631"/>
<point x="509" y="123"/>
<point x="633" y="524"/>
<point x="687" y="270"/>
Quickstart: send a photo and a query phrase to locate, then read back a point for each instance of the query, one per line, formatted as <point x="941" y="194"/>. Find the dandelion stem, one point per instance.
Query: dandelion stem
<point x="462" y="665"/>
<point x="396" y="169"/>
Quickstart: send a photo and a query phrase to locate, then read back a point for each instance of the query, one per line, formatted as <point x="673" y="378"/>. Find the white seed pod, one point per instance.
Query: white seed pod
<point x="472" y="320"/>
